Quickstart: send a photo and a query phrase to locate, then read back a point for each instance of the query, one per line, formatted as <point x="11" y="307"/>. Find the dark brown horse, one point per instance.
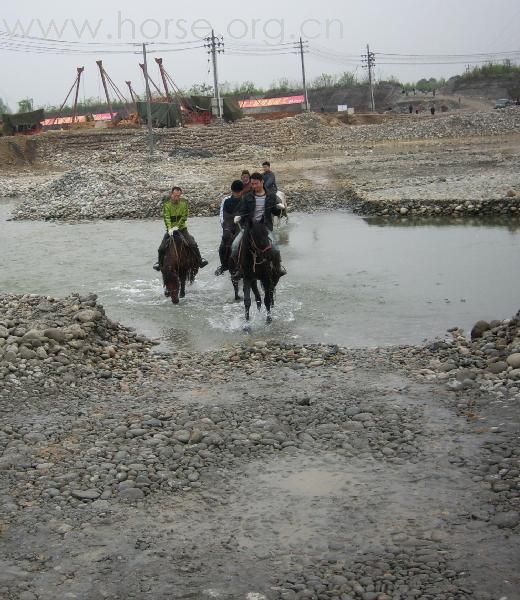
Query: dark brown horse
<point x="255" y="263"/>
<point x="180" y="265"/>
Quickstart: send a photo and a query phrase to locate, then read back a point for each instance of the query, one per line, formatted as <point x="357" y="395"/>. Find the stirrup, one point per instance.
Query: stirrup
<point x="202" y="263"/>
<point x="221" y="270"/>
<point x="156" y="267"/>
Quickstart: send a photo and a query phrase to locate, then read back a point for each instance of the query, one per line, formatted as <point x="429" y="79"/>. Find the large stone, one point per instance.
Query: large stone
<point x="4" y="333"/>
<point x="33" y="334"/>
<point x="497" y="367"/>
<point x="479" y="328"/>
<point x="27" y="353"/>
<point x="513" y="360"/>
<point x="56" y="334"/>
<point x="506" y="519"/>
<point x="85" y="494"/>
<point x="182" y="435"/>
<point x="131" y="494"/>
<point x="87" y="315"/>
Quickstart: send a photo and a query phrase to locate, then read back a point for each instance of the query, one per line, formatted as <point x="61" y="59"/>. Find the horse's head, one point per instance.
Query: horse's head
<point x="259" y="237"/>
<point x="172" y="284"/>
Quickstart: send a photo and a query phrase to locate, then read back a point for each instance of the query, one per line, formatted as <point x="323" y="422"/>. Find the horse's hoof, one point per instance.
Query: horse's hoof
<point x="259" y="305"/>
<point x="269" y="319"/>
<point x="175" y="301"/>
<point x="246" y="328"/>
<point x="182" y="294"/>
<point x="238" y="298"/>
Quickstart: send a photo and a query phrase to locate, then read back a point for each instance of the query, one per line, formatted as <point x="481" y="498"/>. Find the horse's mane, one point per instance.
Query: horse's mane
<point x="254" y="254"/>
<point x="179" y="257"/>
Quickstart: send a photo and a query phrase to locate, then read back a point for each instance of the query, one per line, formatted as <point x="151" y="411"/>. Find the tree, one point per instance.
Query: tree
<point x="325" y="80"/>
<point x="347" y="79"/>
<point x="25" y="105"/>
<point x="200" y="89"/>
<point x="248" y="88"/>
<point x="4" y="109"/>
<point x="282" y="85"/>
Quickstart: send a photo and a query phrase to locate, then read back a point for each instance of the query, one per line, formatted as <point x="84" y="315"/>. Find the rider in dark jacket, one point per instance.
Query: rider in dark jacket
<point x="259" y="206"/>
<point x="269" y="178"/>
<point x="230" y="209"/>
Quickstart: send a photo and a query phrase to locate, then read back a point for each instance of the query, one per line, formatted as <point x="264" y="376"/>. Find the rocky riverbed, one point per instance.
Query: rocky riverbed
<point x="463" y="164"/>
<point x="261" y="470"/>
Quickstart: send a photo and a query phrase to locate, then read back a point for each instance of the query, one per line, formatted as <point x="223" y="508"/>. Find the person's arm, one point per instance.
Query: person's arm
<point x="243" y="210"/>
<point x="183" y="214"/>
<point x="222" y="211"/>
<point x="273" y="202"/>
<point x="167" y="216"/>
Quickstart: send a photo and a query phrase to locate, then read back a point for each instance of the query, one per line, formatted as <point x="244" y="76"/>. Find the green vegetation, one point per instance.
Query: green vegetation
<point x="25" y="105"/>
<point x="504" y="69"/>
<point x="4" y="109"/>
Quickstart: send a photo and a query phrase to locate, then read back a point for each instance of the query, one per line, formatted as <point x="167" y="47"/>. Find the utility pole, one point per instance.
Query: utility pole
<point x="148" y="103"/>
<point x="75" y="107"/>
<point x="369" y="60"/>
<point x="307" y="107"/>
<point x="215" y="46"/>
<point x="99" y="63"/>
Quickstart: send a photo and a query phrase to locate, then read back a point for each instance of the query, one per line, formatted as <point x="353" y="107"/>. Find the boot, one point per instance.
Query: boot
<point x="278" y="268"/>
<point x="221" y="270"/>
<point x="202" y="261"/>
<point x="158" y="265"/>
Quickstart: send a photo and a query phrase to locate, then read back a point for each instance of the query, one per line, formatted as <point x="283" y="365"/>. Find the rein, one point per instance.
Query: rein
<point x="258" y="251"/>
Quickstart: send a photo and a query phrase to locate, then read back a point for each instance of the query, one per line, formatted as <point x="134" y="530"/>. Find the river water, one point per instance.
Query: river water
<point x="351" y="281"/>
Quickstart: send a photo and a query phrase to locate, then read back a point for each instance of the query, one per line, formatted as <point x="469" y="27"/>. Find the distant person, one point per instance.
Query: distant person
<point x="432" y="110"/>
<point x="269" y="178"/>
<point x="410" y="108"/>
<point x="417" y="111"/>
<point x="245" y="177"/>
<point x="434" y="90"/>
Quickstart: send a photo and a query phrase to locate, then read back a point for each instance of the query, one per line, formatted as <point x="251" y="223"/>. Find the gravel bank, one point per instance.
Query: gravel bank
<point x="262" y="470"/>
<point x="106" y="175"/>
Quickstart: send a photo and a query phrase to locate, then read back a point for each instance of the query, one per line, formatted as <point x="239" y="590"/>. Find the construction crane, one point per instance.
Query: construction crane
<point x="107" y="80"/>
<point x="75" y="105"/>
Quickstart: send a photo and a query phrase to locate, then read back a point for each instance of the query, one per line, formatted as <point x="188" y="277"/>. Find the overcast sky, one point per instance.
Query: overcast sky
<point x="342" y="27"/>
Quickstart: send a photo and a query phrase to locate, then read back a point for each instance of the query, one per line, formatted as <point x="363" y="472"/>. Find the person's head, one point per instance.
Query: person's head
<point x="257" y="183"/>
<point x="266" y="166"/>
<point x="176" y="193"/>
<point x="245" y="177"/>
<point x="237" y="187"/>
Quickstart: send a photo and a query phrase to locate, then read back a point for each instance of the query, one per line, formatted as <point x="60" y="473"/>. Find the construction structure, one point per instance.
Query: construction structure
<point x="27" y="123"/>
<point x="273" y="108"/>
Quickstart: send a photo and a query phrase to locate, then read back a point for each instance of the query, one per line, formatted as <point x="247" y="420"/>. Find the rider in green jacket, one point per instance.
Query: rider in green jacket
<point x="175" y="215"/>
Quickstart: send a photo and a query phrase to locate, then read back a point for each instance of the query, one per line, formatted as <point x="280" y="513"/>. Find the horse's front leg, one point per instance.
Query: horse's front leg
<point x="256" y="292"/>
<point x="183" y="287"/>
<point x="234" y="281"/>
<point x="247" y="298"/>
<point x="268" y="299"/>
